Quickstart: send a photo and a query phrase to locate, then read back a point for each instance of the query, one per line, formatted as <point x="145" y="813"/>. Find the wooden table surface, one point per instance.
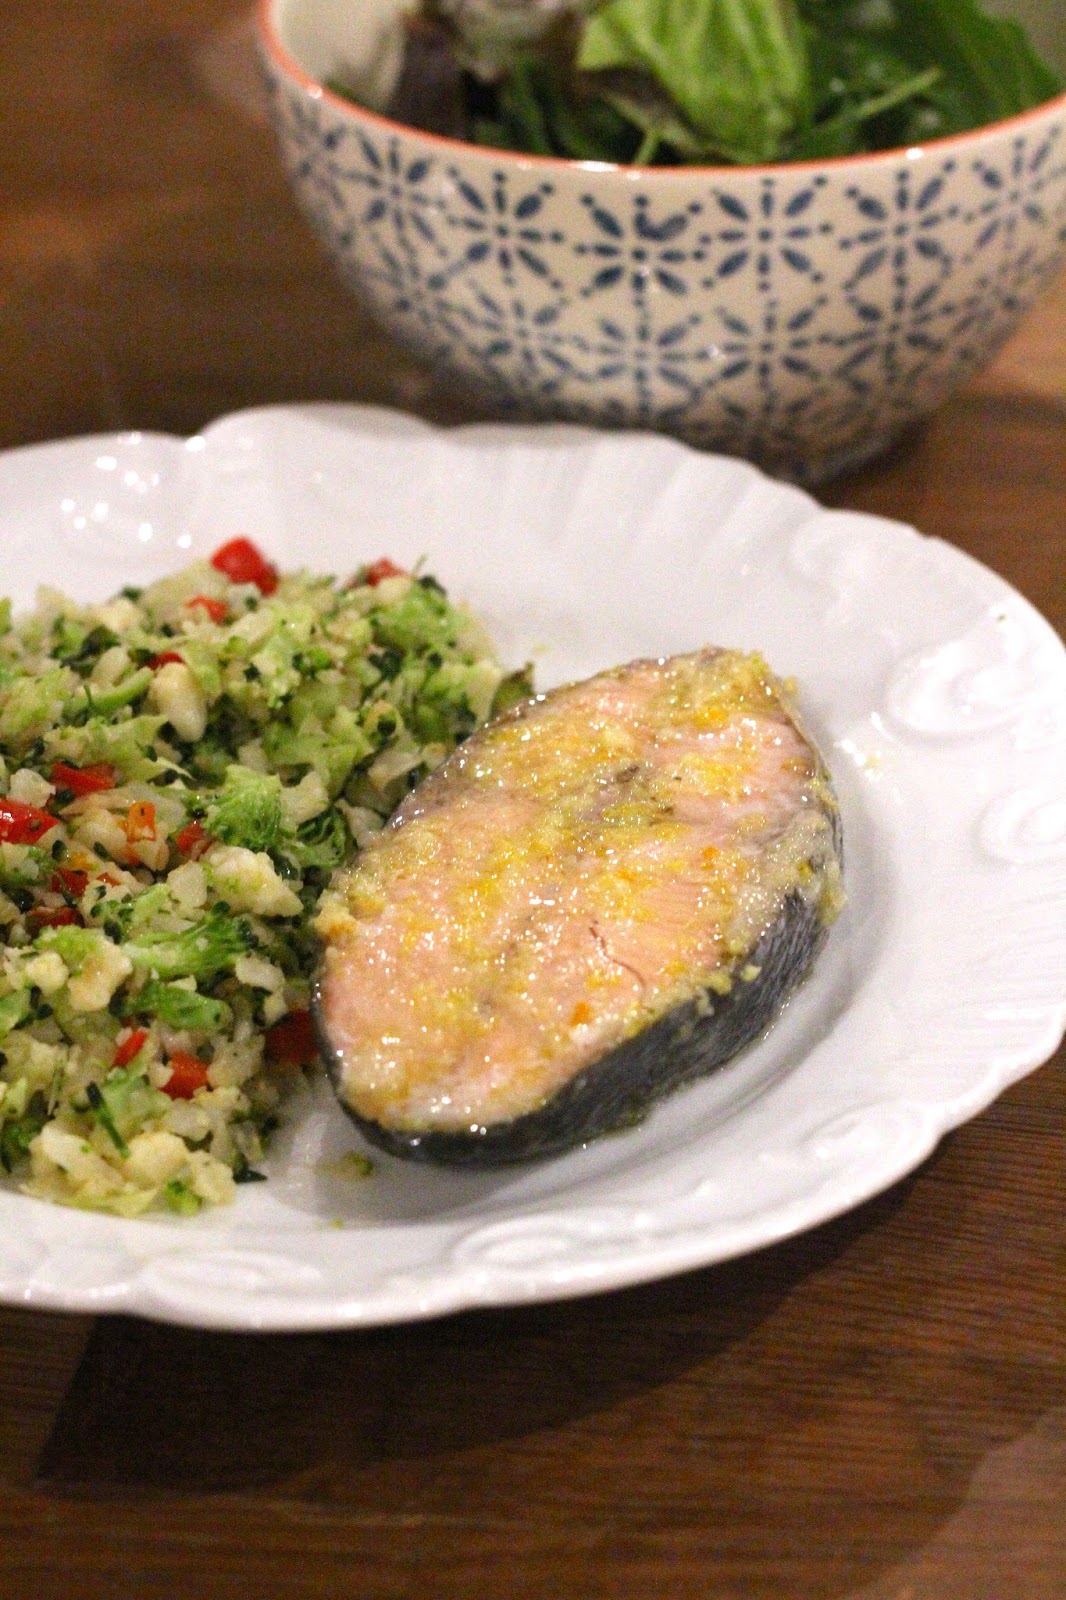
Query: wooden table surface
<point x="873" y="1411"/>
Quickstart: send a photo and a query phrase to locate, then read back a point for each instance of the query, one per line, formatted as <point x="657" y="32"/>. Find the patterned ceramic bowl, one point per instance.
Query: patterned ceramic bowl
<point x="800" y="315"/>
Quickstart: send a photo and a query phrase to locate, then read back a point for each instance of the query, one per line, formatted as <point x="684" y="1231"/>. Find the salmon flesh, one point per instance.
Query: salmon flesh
<point x="603" y="894"/>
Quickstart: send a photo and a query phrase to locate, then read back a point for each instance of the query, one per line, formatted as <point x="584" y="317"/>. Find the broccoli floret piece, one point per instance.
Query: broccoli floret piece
<point x="323" y="842"/>
<point x="33" y="869"/>
<point x="79" y="645"/>
<point x="31" y="706"/>
<point x="247" y="811"/>
<point x="124" y="1103"/>
<point x="131" y="746"/>
<point x="14" y="1008"/>
<point x="141" y="910"/>
<point x="102" y="1112"/>
<point x="105" y="702"/>
<point x="512" y="690"/>
<point x="180" y="1198"/>
<point x="178" y="1007"/>
<point x="420" y="621"/>
<point x="75" y="946"/>
<point x="202" y="951"/>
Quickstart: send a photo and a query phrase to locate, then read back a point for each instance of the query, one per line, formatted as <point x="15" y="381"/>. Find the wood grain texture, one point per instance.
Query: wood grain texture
<point x="874" y="1411"/>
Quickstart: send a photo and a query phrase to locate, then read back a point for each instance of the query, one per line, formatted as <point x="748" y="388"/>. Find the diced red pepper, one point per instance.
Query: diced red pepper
<point x="140" y="821"/>
<point x="192" y="840"/>
<point x="54" y="917"/>
<point x="244" y="562"/>
<point x="187" y="1074"/>
<point x="217" y="610"/>
<point x="167" y="655"/>
<point x="69" y="880"/>
<point x="23" y="824"/>
<point x="131" y="1046"/>
<point x="383" y="568"/>
<point x="84" y="780"/>
<point x="291" y="1042"/>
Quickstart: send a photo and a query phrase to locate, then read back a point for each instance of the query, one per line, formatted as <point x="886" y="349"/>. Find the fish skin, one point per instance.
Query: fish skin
<point x="618" y="1088"/>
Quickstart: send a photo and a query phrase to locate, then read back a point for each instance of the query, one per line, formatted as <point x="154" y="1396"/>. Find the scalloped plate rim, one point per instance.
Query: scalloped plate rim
<point x="445" y="1286"/>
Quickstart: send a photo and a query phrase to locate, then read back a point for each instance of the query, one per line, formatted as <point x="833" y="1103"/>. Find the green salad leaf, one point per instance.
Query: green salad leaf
<point x="743" y="81"/>
<point x="736" y="70"/>
<point x="988" y="68"/>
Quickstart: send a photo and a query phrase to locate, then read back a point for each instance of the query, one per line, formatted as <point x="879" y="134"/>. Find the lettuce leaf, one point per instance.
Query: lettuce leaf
<point x="988" y="68"/>
<point x="737" y="70"/>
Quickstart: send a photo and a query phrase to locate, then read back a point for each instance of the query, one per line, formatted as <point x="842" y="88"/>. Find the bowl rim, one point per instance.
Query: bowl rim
<point x="286" y="62"/>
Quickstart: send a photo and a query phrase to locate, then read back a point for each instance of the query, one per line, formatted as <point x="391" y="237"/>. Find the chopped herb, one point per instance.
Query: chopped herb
<point x="102" y="1112"/>
<point x="17" y="1135"/>
<point x="244" y="1173"/>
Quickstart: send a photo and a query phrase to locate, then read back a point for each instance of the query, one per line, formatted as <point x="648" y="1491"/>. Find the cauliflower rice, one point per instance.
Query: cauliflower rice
<point x="181" y="770"/>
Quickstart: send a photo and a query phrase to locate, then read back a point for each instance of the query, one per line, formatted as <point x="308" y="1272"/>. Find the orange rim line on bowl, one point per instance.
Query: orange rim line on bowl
<point x="288" y="64"/>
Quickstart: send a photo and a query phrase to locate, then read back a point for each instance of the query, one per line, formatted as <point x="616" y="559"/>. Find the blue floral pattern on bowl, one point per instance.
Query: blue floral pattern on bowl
<point x="800" y="316"/>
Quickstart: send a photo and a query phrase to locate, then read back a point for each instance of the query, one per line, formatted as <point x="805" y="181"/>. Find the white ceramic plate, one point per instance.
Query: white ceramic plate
<point x="937" y="693"/>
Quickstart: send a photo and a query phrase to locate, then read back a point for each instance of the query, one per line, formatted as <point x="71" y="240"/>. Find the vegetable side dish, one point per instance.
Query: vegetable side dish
<point x="181" y="770"/>
<point x="692" y="81"/>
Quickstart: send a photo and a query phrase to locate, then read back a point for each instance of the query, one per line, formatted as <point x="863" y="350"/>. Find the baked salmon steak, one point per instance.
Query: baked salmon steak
<point x="603" y="894"/>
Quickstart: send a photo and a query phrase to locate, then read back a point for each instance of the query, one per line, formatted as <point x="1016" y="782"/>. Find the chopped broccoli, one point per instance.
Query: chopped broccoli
<point x="179" y="1007"/>
<point x="102" y="1112"/>
<point x="31" y="704"/>
<point x="247" y="811"/>
<point x="105" y="702"/>
<point x="124" y="1102"/>
<point x="422" y="620"/>
<point x="74" y="946"/>
<point x="131" y="745"/>
<point x="311" y="698"/>
<point x="512" y="690"/>
<point x="180" y="1198"/>
<point x="201" y="951"/>
<point x="319" y="844"/>
<point x="14" y="1008"/>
